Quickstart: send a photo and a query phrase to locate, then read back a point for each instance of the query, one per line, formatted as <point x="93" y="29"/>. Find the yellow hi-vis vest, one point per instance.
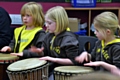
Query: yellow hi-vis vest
<point x="25" y="38"/>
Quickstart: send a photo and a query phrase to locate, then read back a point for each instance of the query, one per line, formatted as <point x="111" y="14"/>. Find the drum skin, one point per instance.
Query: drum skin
<point x="28" y="69"/>
<point x="5" y="60"/>
<point x="67" y="72"/>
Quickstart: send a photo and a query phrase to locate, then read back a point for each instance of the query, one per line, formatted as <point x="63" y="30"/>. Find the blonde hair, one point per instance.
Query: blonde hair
<point x="96" y="76"/>
<point x="107" y="20"/>
<point x="36" y="12"/>
<point x="58" y="15"/>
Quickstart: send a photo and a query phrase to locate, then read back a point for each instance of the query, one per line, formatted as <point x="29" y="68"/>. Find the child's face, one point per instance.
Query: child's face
<point x="51" y="25"/>
<point x="28" y="19"/>
<point x="99" y="33"/>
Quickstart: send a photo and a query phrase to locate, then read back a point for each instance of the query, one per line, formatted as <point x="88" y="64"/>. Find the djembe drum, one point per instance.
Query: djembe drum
<point x="28" y="69"/>
<point x="5" y="60"/>
<point x="97" y="76"/>
<point x="67" y="72"/>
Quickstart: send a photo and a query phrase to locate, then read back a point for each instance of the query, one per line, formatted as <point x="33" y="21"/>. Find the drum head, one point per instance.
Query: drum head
<point x="73" y="69"/>
<point x="26" y="64"/>
<point x="7" y="57"/>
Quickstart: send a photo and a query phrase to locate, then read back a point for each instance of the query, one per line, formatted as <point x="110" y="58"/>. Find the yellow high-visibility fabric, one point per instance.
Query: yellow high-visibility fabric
<point x="26" y="36"/>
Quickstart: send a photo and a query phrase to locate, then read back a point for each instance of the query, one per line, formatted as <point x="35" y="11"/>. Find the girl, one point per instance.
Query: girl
<point x="31" y="33"/>
<point x="107" y="49"/>
<point x="60" y="45"/>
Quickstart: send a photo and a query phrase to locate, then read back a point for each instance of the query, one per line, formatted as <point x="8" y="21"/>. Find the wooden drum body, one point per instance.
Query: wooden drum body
<point x="5" y="60"/>
<point x="28" y="69"/>
<point x="67" y="72"/>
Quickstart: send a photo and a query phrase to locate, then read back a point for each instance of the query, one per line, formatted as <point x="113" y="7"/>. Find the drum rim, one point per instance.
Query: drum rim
<point x="8" y="57"/>
<point x="77" y="69"/>
<point x="9" y="68"/>
<point x="28" y="70"/>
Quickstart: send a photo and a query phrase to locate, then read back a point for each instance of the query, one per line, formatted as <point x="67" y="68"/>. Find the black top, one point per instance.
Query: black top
<point x="109" y="53"/>
<point x="37" y="41"/>
<point x="5" y="29"/>
<point x="64" y="45"/>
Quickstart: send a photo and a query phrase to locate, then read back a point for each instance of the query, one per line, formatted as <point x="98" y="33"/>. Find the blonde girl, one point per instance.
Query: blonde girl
<point x="107" y="49"/>
<point x="60" y="45"/>
<point x="31" y="33"/>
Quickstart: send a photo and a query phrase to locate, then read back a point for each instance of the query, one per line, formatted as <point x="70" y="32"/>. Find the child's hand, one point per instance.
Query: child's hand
<point x="116" y="71"/>
<point x="17" y="54"/>
<point x="36" y="50"/>
<point x="82" y="57"/>
<point x="39" y="51"/>
<point x="5" y="49"/>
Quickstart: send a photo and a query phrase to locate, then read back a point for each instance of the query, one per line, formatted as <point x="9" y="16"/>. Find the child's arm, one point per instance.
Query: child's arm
<point x="38" y="51"/>
<point x="63" y="61"/>
<point x="113" y="69"/>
